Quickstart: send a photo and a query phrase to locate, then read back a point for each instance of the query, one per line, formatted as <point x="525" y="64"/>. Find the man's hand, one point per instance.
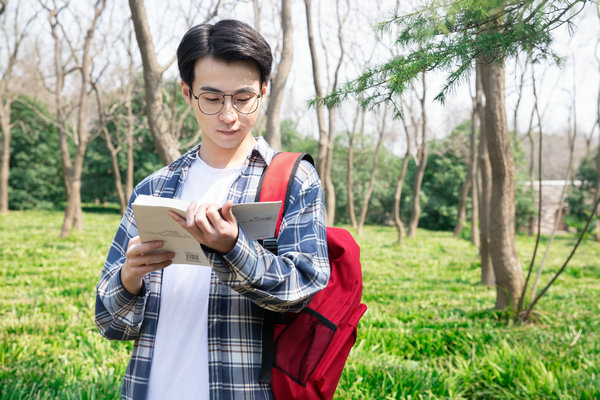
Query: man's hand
<point x="213" y="227"/>
<point x="138" y="263"/>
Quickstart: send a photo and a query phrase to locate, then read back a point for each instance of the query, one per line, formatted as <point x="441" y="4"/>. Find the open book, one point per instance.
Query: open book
<point x="153" y="223"/>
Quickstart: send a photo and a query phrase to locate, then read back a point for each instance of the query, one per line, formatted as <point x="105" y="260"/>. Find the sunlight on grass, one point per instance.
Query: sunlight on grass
<point x="429" y="332"/>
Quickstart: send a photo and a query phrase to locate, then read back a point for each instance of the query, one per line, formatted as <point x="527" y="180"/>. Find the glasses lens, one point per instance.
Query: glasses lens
<point x="210" y="103"/>
<point x="246" y="102"/>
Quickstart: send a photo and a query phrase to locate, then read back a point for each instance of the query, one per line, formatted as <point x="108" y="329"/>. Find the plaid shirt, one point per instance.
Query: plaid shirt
<point x="244" y="282"/>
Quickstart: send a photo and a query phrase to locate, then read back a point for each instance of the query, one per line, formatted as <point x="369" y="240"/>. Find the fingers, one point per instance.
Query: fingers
<point x="210" y="225"/>
<point x="227" y="211"/>
<point x="144" y="258"/>
<point x="138" y="262"/>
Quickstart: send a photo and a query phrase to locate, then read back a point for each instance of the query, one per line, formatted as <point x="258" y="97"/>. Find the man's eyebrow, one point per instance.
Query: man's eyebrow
<point x="240" y="90"/>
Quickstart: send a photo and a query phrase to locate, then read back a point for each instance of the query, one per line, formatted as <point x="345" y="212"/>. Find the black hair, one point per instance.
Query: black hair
<point x="228" y="40"/>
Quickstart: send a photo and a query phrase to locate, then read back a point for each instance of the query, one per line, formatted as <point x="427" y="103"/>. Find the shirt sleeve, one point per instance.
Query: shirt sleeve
<point x="119" y="314"/>
<point x="285" y="282"/>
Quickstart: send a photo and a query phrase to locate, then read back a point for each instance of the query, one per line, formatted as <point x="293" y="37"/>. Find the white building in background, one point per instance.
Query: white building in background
<point x="551" y="193"/>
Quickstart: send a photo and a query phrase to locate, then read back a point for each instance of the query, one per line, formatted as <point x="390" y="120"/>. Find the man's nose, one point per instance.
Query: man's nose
<point x="228" y="114"/>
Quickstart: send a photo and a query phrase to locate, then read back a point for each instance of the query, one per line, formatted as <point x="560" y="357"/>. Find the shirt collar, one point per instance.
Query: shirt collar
<point x="261" y="149"/>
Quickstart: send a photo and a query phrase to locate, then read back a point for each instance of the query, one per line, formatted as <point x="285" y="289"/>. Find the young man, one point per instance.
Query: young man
<point x="198" y="330"/>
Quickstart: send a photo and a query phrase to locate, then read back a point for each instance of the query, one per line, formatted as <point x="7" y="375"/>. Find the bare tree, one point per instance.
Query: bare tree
<point x="80" y="60"/>
<point x="421" y="160"/>
<point x="12" y="42"/>
<point x="475" y="101"/>
<point x="166" y="145"/>
<point x="484" y="189"/>
<point x="571" y="137"/>
<point x="471" y="172"/>
<point x="360" y="113"/>
<point x="326" y="138"/>
<point x="164" y="132"/>
<point x="112" y="150"/>
<point x="371" y="184"/>
<point x="400" y="182"/>
<point x="519" y="92"/>
<point x="507" y="269"/>
<point x="273" y="133"/>
<point x="597" y="185"/>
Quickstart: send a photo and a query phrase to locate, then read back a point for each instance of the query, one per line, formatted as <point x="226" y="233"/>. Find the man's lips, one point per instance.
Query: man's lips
<point x="227" y="131"/>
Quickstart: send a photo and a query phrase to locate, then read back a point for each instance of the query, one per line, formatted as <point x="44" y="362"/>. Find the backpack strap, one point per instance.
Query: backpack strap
<point x="277" y="180"/>
<point x="276" y="185"/>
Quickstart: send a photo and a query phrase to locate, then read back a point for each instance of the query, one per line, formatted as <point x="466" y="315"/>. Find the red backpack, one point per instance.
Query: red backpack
<point x="304" y="353"/>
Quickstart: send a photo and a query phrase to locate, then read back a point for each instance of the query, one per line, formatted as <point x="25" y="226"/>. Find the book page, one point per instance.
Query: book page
<point x="257" y="219"/>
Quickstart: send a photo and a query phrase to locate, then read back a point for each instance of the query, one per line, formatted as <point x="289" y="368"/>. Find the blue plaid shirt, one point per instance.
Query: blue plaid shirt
<point x="244" y="282"/>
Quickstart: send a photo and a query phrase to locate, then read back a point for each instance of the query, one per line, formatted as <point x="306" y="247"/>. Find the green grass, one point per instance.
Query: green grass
<point x="429" y="332"/>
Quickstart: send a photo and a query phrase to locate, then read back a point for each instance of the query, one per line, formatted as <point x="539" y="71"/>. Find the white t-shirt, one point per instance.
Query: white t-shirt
<point x="180" y="362"/>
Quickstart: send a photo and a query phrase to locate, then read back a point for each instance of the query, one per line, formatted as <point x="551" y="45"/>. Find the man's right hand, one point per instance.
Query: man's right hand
<point x="138" y="263"/>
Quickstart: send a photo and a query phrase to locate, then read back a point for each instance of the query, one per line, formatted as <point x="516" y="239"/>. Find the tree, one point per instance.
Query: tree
<point x="485" y="191"/>
<point x="273" y="133"/>
<point x="165" y="143"/>
<point x="572" y="136"/>
<point x="371" y="184"/>
<point x="326" y="137"/>
<point x="421" y="160"/>
<point x="80" y="60"/>
<point x="12" y="42"/>
<point x="469" y="183"/>
<point x="454" y="35"/>
<point x="360" y="113"/>
<point x="164" y="130"/>
<point x="399" y="184"/>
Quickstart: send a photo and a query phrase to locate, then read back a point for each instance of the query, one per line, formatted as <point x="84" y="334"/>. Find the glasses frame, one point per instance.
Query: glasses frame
<point x="258" y="96"/>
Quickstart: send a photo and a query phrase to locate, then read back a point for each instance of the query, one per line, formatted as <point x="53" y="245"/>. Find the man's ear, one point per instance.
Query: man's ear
<point x="185" y="91"/>
<point x="264" y="89"/>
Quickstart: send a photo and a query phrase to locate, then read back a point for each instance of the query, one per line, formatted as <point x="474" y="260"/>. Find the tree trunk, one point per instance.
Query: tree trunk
<point x="273" y="132"/>
<point x="485" y="190"/>
<point x="371" y="185"/>
<point x="323" y="139"/>
<point x="461" y="219"/>
<point x="4" y="154"/>
<point x="420" y="172"/>
<point x="73" y="168"/>
<point x="166" y="145"/>
<point x="112" y="151"/>
<point x="509" y="276"/>
<point x="327" y="181"/>
<point x="350" y="166"/>
<point x="474" y="176"/>
<point x="597" y="229"/>
<point x="129" y="141"/>
<point x="398" y="194"/>
<point x="475" y="210"/>
<point x="597" y="186"/>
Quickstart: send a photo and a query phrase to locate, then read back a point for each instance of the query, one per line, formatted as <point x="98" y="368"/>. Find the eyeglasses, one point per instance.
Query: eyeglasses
<point x="211" y="103"/>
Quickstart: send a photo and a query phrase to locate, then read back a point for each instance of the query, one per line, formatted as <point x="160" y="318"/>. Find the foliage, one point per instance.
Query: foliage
<point x="449" y="35"/>
<point x="580" y="198"/>
<point x="445" y="173"/>
<point x="36" y="179"/>
<point x="427" y="334"/>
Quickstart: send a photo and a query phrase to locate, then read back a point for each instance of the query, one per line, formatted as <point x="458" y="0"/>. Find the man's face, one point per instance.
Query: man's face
<point x="228" y="129"/>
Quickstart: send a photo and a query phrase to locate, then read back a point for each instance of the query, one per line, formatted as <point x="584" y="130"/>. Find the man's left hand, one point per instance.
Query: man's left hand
<point x="210" y="225"/>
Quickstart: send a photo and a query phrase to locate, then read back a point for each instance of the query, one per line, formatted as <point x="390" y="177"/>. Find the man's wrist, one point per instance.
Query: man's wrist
<point x="132" y="284"/>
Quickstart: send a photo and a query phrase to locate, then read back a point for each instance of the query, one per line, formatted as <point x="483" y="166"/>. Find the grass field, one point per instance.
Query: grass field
<point x="429" y="332"/>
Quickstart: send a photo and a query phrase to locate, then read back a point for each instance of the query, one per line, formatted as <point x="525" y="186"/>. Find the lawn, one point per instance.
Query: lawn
<point x="429" y="332"/>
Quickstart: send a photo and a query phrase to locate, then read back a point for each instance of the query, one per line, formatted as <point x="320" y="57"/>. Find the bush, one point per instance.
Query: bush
<point x="36" y="178"/>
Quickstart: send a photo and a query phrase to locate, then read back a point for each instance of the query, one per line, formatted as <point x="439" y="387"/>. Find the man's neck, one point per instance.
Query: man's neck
<point x="226" y="158"/>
